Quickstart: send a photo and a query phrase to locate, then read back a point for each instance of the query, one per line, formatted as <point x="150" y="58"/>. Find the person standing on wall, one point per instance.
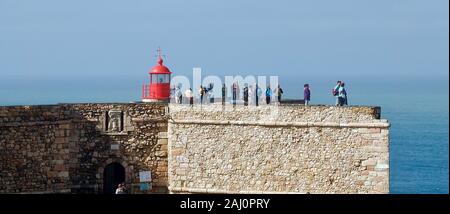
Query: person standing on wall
<point x="257" y="90"/>
<point x="201" y="92"/>
<point x="335" y="92"/>
<point x="342" y="96"/>
<point x="306" y="94"/>
<point x="234" y="88"/>
<point x="268" y="94"/>
<point x="211" y="93"/>
<point x="224" y="94"/>
<point x="245" y="94"/>
<point x="278" y="93"/>
<point x="178" y="95"/>
<point x="190" y="95"/>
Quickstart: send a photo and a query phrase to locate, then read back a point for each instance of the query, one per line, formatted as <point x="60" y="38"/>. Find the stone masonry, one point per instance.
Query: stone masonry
<point x="65" y="148"/>
<point x="287" y="148"/>
<point x="278" y="149"/>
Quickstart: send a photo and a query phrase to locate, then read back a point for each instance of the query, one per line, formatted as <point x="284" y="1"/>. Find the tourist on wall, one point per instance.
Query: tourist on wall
<point x="335" y="92"/>
<point x="342" y="95"/>
<point x="257" y="94"/>
<point x="251" y="97"/>
<point x="260" y="92"/>
<point x="201" y="92"/>
<point x="211" y="93"/>
<point x="224" y="94"/>
<point x="245" y="94"/>
<point x="235" y="90"/>
<point x="306" y="94"/>
<point x="208" y="91"/>
<point x="278" y="93"/>
<point x="178" y="95"/>
<point x="268" y="94"/>
<point x="189" y="95"/>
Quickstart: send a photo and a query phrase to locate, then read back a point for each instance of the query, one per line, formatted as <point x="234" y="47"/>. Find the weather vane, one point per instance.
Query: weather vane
<point x="159" y="53"/>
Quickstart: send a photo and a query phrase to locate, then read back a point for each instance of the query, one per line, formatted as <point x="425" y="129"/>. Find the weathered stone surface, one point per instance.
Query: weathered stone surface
<point x="278" y="149"/>
<point x="209" y="149"/>
<point x="63" y="148"/>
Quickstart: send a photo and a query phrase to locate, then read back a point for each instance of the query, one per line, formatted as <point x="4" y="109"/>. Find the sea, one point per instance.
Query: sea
<point x="417" y="109"/>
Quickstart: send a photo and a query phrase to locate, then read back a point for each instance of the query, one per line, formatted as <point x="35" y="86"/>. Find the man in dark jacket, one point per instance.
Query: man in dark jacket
<point x="306" y="94"/>
<point x="245" y="95"/>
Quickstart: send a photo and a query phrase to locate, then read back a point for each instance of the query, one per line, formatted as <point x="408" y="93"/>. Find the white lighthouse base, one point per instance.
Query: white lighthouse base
<point x="145" y="100"/>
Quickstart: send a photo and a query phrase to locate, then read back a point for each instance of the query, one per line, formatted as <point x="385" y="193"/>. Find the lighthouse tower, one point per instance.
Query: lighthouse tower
<point x="159" y="88"/>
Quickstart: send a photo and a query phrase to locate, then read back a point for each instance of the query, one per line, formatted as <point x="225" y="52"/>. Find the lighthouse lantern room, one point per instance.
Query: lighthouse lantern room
<point x="159" y="88"/>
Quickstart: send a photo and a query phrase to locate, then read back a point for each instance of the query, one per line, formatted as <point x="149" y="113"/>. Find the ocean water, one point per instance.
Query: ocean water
<point x="419" y="117"/>
<point x="419" y="146"/>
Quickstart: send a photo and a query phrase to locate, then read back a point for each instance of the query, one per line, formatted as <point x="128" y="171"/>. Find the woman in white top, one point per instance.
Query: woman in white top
<point x="190" y="95"/>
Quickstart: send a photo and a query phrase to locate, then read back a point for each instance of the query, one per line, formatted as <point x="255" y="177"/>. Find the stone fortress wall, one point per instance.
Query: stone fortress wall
<point x="278" y="149"/>
<point x="287" y="148"/>
<point x="66" y="148"/>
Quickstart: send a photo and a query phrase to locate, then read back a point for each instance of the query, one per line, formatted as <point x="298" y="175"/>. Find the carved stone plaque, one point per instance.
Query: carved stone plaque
<point x="115" y="121"/>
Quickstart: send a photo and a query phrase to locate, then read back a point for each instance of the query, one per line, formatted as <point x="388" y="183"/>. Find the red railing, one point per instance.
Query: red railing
<point x="145" y="91"/>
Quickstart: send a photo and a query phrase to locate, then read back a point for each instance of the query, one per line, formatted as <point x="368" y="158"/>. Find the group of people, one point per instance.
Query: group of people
<point x="252" y="94"/>
<point x="340" y="93"/>
<point x="189" y="94"/>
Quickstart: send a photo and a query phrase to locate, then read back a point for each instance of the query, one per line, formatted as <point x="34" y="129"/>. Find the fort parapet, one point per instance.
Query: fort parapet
<point x="283" y="148"/>
<point x="160" y="148"/>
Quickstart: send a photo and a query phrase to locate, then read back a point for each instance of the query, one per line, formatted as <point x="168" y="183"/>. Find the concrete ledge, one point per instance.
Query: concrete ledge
<point x="297" y="124"/>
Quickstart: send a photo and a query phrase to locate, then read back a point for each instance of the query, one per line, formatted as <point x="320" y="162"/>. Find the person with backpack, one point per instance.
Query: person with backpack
<point x="342" y="95"/>
<point x="335" y="92"/>
<point x="268" y="94"/>
<point x="306" y="94"/>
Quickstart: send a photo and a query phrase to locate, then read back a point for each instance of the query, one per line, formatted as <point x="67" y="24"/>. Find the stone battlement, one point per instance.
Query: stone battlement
<point x="289" y="114"/>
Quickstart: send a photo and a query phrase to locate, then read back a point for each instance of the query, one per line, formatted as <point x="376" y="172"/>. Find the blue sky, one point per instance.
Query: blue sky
<point x="111" y="44"/>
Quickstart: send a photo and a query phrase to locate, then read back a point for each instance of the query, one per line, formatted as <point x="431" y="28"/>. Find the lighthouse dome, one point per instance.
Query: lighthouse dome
<point x="160" y="68"/>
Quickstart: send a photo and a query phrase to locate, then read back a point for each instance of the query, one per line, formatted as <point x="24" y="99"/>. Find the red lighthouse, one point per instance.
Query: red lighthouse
<point x="159" y="88"/>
